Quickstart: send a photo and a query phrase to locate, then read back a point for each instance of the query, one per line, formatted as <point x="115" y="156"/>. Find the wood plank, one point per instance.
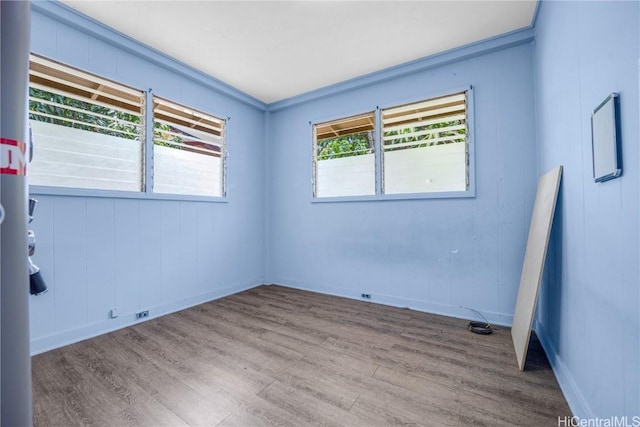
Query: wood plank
<point x="308" y="406"/>
<point x="260" y="412"/>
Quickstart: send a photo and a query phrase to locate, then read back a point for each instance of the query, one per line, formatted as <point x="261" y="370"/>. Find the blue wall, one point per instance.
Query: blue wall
<point x="588" y="315"/>
<point x="134" y="254"/>
<point x="429" y="254"/>
<point x="532" y="104"/>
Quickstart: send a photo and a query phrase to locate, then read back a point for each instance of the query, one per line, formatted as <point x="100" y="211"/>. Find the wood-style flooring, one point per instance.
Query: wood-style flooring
<point x="279" y="356"/>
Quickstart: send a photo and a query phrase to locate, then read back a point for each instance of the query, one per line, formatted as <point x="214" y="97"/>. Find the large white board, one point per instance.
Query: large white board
<point x="534" y="258"/>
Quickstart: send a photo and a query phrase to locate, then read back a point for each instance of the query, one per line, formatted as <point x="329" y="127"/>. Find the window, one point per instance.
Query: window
<point x="423" y="149"/>
<point x="188" y="151"/>
<point x="424" y="146"/>
<point x="88" y="132"/>
<point x="344" y="157"/>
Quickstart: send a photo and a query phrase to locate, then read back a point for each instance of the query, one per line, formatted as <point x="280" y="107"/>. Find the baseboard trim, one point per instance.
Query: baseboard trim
<point x="61" y="339"/>
<point x="501" y="319"/>
<point x="577" y="403"/>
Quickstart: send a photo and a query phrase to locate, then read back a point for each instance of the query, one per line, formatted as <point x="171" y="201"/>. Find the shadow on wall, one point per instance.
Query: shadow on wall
<point x="551" y="301"/>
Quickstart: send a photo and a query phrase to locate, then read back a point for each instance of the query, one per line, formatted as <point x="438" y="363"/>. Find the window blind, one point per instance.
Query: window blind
<point x="189" y="150"/>
<point x="88" y="131"/>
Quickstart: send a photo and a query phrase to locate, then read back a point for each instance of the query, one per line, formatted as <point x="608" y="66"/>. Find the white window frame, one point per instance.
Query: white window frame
<point x="470" y="190"/>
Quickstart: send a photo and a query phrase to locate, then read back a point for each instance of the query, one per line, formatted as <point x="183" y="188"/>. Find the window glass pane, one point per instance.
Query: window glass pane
<point x="424" y="146"/>
<point x="188" y="151"/>
<point x="344" y="152"/>
<point x="88" y="132"/>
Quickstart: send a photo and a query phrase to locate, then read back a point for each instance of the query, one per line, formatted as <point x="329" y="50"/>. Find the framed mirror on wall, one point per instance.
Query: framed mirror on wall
<point x="605" y="139"/>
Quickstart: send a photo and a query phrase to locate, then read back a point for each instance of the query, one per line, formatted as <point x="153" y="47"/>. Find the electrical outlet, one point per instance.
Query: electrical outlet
<point x="142" y="314"/>
<point x="366" y="296"/>
<point x="114" y="313"/>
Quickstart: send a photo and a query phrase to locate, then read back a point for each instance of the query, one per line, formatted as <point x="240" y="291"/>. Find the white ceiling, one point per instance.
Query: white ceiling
<point x="274" y="50"/>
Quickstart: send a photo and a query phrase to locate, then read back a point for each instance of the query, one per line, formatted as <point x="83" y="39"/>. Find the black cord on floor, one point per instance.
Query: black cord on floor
<point x="481" y="328"/>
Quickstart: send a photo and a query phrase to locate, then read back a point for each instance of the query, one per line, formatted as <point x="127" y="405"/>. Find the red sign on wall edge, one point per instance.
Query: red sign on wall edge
<point x="13" y="157"/>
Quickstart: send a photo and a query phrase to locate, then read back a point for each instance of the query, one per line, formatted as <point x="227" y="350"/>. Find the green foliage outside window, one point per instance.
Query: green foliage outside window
<point x="408" y="134"/>
<point x="163" y="137"/>
<point x="355" y="144"/>
<point x="358" y="144"/>
<point x="92" y="117"/>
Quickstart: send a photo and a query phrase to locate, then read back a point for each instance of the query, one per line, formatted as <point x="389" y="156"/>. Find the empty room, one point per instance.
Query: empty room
<point x="350" y="213"/>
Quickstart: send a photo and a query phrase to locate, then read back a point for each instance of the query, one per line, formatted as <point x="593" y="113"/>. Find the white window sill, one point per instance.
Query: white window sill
<point x="86" y="192"/>
<point x="392" y="197"/>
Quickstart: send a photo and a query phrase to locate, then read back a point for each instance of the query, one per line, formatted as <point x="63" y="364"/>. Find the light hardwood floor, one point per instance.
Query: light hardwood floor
<point x="279" y="356"/>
